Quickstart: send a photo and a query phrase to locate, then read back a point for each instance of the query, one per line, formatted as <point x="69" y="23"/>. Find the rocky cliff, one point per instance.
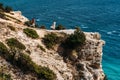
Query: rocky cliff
<point x="85" y="63"/>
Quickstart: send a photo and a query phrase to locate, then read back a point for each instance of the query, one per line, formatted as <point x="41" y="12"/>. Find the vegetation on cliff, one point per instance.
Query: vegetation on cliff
<point x="14" y="43"/>
<point x="18" y="58"/>
<point x="3" y="48"/>
<point x="75" y="40"/>
<point x="31" y="33"/>
<point x="32" y="56"/>
<point x="41" y="47"/>
<point x="4" y="76"/>
<point x="50" y="40"/>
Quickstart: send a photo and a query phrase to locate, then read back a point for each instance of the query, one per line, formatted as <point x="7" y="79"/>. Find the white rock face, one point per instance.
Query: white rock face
<point x="17" y="15"/>
<point x="88" y="62"/>
<point x="89" y="57"/>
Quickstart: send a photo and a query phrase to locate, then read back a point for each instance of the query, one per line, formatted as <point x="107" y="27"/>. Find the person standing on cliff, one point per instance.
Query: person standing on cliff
<point x="33" y="22"/>
<point x="53" y="26"/>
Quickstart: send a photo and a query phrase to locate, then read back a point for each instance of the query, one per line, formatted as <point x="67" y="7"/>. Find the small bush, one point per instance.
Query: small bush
<point x="8" y="9"/>
<point x="29" y="66"/>
<point x="46" y="73"/>
<point x="4" y="76"/>
<point x="12" y="42"/>
<point x="42" y="72"/>
<point x="11" y="27"/>
<point x="41" y="47"/>
<point x="50" y="40"/>
<point x="17" y="58"/>
<point x="3" y="48"/>
<point x="60" y="27"/>
<point x="31" y="33"/>
<point x="75" y="40"/>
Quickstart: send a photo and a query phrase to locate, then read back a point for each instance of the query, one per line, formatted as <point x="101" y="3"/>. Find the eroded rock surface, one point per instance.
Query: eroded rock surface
<point x="86" y="65"/>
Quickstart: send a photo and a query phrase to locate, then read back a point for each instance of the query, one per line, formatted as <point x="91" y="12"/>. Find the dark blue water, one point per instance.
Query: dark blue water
<point x="101" y="16"/>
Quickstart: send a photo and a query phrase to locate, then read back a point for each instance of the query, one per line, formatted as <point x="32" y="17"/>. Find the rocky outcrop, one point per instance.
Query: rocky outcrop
<point x="85" y="63"/>
<point x="90" y="57"/>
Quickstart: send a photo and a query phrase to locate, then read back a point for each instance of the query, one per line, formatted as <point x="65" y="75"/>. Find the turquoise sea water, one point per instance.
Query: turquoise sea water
<point x="101" y="16"/>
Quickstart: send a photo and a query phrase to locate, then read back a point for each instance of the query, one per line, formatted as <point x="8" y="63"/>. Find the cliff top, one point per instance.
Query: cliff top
<point x="45" y="49"/>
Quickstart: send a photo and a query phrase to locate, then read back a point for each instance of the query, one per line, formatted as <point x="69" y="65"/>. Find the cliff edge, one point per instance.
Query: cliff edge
<point x="84" y="63"/>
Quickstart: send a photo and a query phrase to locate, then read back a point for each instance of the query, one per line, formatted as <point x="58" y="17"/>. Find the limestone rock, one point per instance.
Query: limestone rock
<point x="86" y="64"/>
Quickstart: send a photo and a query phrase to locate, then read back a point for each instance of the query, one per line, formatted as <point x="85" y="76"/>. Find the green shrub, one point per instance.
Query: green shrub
<point x="29" y="66"/>
<point x="46" y="73"/>
<point x="12" y="42"/>
<point x="42" y="72"/>
<point x="8" y="9"/>
<point x="3" y="48"/>
<point x="31" y="33"/>
<point x="17" y="58"/>
<point x="60" y="27"/>
<point x="4" y="76"/>
<point x="11" y="27"/>
<point x="41" y="47"/>
<point x="75" y="40"/>
<point x="50" y="40"/>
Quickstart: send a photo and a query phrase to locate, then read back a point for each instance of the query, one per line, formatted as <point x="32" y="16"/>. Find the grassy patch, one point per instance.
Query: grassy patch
<point x="31" y="33"/>
<point x="20" y="59"/>
<point x="16" y="57"/>
<point x="12" y="42"/>
<point x="41" y="47"/>
<point x="42" y="72"/>
<point x="4" y="76"/>
<point x="50" y="40"/>
<point x="3" y="48"/>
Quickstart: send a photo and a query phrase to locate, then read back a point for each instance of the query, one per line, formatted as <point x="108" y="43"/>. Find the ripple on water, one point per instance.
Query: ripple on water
<point x="109" y="32"/>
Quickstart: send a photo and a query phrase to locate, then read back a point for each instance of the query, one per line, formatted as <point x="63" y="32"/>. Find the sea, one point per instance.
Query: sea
<point x="101" y="16"/>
